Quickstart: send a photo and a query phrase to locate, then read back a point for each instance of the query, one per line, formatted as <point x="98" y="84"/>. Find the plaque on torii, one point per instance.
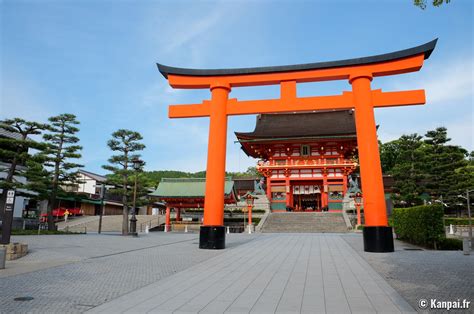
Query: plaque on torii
<point x="362" y="98"/>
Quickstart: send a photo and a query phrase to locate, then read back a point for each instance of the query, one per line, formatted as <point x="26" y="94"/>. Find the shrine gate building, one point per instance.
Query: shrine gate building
<point x="305" y="157"/>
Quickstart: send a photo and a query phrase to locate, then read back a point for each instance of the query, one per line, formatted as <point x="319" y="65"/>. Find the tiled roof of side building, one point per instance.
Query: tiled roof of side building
<point x="308" y="124"/>
<point x="187" y="187"/>
<point x="94" y="176"/>
<point x="8" y="134"/>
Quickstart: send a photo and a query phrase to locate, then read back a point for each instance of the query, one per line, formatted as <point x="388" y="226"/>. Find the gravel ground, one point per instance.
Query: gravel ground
<point x="423" y="274"/>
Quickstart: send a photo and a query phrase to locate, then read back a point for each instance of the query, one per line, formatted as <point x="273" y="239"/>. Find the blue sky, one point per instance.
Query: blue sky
<point x="96" y="59"/>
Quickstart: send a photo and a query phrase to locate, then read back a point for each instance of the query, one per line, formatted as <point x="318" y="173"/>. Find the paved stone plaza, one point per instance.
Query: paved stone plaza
<point x="260" y="273"/>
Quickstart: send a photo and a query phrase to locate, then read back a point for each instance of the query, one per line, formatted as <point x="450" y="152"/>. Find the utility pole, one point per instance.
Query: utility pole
<point x="469" y="215"/>
<point x="102" y="195"/>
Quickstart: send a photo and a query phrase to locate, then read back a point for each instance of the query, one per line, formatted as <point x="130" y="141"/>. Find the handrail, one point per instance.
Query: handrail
<point x="157" y="218"/>
<point x="81" y="223"/>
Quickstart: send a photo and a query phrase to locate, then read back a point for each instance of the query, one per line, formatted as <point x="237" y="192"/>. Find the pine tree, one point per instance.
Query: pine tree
<point x="441" y="164"/>
<point x="61" y="148"/>
<point x="405" y="162"/>
<point x="407" y="170"/>
<point x="126" y="143"/>
<point x="16" y="156"/>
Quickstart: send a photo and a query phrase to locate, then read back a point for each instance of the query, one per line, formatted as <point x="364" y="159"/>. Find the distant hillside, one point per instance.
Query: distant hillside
<point x="155" y="176"/>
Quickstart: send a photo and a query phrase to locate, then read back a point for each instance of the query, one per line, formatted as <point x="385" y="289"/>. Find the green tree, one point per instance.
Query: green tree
<point x="436" y="3"/>
<point x="62" y="146"/>
<point x="16" y="156"/>
<point x="443" y="166"/>
<point x="389" y="155"/>
<point x="126" y="144"/>
<point x="402" y="159"/>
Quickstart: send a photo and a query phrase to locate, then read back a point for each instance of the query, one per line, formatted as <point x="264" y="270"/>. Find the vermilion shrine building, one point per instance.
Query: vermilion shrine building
<point x="183" y="193"/>
<point x="306" y="158"/>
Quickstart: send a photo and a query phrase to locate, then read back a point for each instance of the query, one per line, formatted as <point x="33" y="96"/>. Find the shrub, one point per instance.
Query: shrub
<point x="456" y="221"/>
<point x="448" y="244"/>
<point x="421" y="225"/>
<point x="42" y="232"/>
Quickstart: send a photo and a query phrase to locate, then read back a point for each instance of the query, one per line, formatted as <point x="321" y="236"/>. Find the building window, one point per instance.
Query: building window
<point x="305" y="150"/>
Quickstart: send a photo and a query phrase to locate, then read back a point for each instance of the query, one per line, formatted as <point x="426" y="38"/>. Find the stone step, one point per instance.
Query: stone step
<point x="304" y="223"/>
<point x="113" y="223"/>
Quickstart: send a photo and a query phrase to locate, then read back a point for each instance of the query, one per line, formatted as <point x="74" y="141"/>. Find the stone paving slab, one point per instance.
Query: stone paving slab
<point x="274" y="273"/>
<point x="46" y="251"/>
<point x="422" y="274"/>
<point x="97" y="268"/>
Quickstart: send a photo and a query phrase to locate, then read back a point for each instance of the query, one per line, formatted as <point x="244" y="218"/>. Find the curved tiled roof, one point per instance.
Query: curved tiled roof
<point x="310" y="124"/>
<point x="187" y="188"/>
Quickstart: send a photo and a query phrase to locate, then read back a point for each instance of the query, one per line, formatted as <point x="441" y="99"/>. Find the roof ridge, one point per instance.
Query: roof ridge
<point x="189" y="179"/>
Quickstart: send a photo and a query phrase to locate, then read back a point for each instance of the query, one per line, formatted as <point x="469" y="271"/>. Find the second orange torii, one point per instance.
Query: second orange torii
<point x="359" y="73"/>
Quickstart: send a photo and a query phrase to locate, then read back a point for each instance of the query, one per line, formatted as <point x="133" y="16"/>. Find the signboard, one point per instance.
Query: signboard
<point x="8" y="217"/>
<point x="10" y="200"/>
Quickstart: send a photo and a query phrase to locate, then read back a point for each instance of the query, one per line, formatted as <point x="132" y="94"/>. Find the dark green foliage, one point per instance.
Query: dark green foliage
<point x="447" y="244"/>
<point x="15" y="151"/>
<point x="42" y="232"/>
<point x="255" y="220"/>
<point x="126" y="144"/>
<point x="442" y="167"/>
<point x="457" y="221"/>
<point x="427" y="169"/>
<point x="155" y="176"/>
<point x="436" y="3"/>
<point x="18" y="159"/>
<point x="250" y="172"/>
<point x="234" y="211"/>
<point x="61" y="141"/>
<point x="420" y="225"/>
<point x="403" y="159"/>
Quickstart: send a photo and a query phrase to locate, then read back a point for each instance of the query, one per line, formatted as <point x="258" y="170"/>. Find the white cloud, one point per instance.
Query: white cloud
<point x="461" y="132"/>
<point x="445" y="82"/>
<point x="453" y="82"/>
<point x="160" y="93"/>
<point x="186" y="29"/>
<point x="449" y="90"/>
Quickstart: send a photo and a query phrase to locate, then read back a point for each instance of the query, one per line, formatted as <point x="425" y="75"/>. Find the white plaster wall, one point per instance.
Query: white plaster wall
<point x="88" y="185"/>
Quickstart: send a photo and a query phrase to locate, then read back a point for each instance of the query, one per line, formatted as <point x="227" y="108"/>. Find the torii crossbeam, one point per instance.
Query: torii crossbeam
<point x="359" y="72"/>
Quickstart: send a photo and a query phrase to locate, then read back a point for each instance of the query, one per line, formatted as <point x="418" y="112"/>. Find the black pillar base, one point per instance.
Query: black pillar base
<point x="212" y="237"/>
<point x="378" y="239"/>
<point x="133" y="227"/>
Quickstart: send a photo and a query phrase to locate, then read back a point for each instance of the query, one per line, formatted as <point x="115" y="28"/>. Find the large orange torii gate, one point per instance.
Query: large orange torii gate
<point x="359" y="72"/>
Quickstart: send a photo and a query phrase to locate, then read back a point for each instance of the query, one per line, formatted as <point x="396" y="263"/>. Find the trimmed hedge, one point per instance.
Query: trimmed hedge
<point x="235" y="211"/>
<point x="420" y="225"/>
<point x="450" y="244"/>
<point x="456" y="221"/>
<point x="42" y="232"/>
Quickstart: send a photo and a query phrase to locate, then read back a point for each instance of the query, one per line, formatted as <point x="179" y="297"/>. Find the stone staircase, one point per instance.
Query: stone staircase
<point x="305" y="223"/>
<point x="261" y="203"/>
<point x="112" y="223"/>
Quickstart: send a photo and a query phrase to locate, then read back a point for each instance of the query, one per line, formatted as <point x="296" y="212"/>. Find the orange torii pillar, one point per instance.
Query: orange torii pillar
<point x="168" y="219"/>
<point x="212" y="232"/>
<point x="362" y="99"/>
